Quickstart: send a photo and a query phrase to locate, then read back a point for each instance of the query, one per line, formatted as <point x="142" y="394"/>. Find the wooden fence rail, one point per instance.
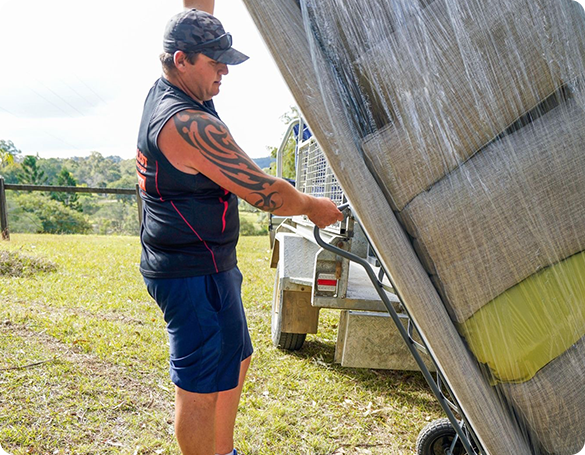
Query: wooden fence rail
<point x="57" y="189"/>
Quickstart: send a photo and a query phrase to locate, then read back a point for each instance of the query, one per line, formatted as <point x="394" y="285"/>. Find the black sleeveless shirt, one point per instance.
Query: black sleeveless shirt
<point x="190" y="224"/>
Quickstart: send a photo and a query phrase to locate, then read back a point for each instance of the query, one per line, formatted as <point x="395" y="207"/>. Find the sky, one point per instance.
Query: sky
<point x="74" y="76"/>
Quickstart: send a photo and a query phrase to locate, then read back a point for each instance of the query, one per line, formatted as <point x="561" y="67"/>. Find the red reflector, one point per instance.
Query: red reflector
<point x="326" y="282"/>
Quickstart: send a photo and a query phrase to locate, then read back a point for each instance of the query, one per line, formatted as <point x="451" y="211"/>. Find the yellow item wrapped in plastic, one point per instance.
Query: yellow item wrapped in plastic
<point x="526" y="327"/>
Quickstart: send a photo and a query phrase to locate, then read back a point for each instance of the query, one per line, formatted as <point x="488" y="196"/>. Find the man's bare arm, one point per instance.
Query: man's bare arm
<point x="201" y="142"/>
<point x="216" y="146"/>
<point x="203" y="5"/>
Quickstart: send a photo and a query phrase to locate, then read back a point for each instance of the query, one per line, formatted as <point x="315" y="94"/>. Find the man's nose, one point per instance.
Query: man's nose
<point x="224" y="69"/>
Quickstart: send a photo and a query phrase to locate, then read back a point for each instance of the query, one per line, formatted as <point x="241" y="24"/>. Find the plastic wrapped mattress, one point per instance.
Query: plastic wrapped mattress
<point x="457" y="130"/>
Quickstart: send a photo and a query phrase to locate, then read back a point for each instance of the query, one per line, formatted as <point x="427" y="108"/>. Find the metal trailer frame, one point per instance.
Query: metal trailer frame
<point x="310" y="278"/>
<point x="450" y="436"/>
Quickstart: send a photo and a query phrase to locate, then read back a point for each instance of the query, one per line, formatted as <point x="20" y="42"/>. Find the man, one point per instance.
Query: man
<point x="190" y="172"/>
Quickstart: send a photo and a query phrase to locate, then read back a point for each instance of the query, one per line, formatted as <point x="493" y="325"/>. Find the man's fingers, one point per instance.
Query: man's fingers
<point x="327" y="215"/>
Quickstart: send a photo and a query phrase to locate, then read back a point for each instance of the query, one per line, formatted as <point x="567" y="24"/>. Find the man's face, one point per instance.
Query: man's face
<point x="203" y="77"/>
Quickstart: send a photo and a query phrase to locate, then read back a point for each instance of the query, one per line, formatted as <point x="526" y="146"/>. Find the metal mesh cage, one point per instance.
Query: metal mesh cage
<point x="314" y="176"/>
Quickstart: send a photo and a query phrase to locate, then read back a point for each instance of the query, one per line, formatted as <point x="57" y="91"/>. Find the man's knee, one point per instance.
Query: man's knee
<point x="186" y="400"/>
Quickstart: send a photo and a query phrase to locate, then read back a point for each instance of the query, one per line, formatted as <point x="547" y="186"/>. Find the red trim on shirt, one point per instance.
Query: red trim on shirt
<point x="225" y="208"/>
<point x="156" y="183"/>
<point x="191" y="227"/>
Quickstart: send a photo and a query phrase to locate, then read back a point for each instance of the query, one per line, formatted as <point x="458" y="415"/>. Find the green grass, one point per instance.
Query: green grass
<point x="252" y="217"/>
<point x="83" y="365"/>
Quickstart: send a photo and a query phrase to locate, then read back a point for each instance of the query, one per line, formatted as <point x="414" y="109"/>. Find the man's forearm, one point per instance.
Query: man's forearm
<point x="207" y="146"/>
<point x="290" y="201"/>
<point x="203" y="5"/>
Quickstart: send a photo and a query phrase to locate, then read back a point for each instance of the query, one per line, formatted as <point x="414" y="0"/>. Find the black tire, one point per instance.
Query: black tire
<point x="280" y="339"/>
<point x="436" y="438"/>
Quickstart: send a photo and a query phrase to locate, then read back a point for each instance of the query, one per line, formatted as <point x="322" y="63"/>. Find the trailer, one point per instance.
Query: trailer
<point x="309" y="278"/>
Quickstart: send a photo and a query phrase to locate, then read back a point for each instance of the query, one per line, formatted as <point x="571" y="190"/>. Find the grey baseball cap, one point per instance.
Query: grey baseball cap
<point x="197" y="31"/>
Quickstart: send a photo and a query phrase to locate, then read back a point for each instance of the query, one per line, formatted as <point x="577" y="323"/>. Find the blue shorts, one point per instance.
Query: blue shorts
<point x="208" y="333"/>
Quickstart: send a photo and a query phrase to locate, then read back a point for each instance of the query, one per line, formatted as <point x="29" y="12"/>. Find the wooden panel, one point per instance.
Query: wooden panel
<point x="298" y="316"/>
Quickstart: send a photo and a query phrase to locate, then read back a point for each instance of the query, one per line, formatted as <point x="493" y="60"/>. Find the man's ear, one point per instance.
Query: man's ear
<point x="179" y="58"/>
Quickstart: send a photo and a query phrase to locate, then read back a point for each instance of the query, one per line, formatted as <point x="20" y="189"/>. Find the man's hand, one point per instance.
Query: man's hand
<point x="323" y="212"/>
<point x="202" y="5"/>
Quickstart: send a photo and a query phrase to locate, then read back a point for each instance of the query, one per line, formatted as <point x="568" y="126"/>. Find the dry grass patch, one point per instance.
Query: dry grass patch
<point x="16" y="264"/>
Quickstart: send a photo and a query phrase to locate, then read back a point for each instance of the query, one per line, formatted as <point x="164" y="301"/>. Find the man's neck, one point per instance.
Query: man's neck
<point x="177" y="82"/>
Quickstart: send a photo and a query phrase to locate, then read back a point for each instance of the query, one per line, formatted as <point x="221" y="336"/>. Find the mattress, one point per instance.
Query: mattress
<point x="413" y="118"/>
<point x="553" y="403"/>
<point x="452" y="83"/>
<point x="513" y="208"/>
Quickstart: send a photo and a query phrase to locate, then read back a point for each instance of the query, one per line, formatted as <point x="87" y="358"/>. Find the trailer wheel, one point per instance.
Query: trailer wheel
<point x="280" y="339"/>
<point x="436" y="439"/>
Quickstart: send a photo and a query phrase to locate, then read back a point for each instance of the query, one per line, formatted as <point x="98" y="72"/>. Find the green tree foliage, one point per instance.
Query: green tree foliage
<point x="97" y="171"/>
<point x="52" y="167"/>
<point x="116" y="217"/>
<point x="63" y="212"/>
<point x="90" y="203"/>
<point x="94" y="170"/>
<point x="71" y="212"/>
<point x="288" y="159"/>
<point x="288" y="155"/>
<point x="252" y="220"/>
<point x="31" y="173"/>
<point x="34" y="212"/>
<point x="8" y="152"/>
<point x="71" y="200"/>
<point x="65" y="178"/>
<point x="247" y="227"/>
<point x="20" y="220"/>
<point x="10" y="172"/>
<point x="128" y="168"/>
<point x="126" y="181"/>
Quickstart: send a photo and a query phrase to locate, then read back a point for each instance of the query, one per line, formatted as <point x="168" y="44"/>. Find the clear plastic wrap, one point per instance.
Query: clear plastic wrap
<point x="457" y="131"/>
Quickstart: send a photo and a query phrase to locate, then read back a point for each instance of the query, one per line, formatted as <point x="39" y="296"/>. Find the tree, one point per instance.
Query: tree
<point x="288" y="155"/>
<point x="50" y="216"/>
<point x="71" y="200"/>
<point x="288" y="159"/>
<point x="116" y="218"/>
<point x="31" y="174"/>
<point x="291" y="115"/>
<point x="10" y="172"/>
<point x="52" y="167"/>
<point x="7" y="152"/>
<point x="97" y="171"/>
<point x="128" y="167"/>
<point x="126" y="181"/>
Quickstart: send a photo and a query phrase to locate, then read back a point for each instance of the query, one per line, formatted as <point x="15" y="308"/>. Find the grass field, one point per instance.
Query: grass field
<point x="83" y="364"/>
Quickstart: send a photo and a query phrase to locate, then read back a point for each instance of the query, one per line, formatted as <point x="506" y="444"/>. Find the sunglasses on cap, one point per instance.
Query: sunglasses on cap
<point x="223" y="42"/>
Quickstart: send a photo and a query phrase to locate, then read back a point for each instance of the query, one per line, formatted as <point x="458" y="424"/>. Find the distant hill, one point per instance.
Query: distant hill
<point x="264" y="162"/>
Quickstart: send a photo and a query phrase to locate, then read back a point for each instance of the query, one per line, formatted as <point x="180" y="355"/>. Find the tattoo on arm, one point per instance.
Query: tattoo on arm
<point x="213" y="140"/>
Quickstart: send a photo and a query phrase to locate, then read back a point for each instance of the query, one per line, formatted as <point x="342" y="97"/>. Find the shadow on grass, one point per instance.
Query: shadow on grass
<point x="411" y="386"/>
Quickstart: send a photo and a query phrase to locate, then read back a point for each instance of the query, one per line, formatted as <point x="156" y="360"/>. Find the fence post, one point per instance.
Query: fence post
<point x="3" y="212"/>
<point x="139" y="204"/>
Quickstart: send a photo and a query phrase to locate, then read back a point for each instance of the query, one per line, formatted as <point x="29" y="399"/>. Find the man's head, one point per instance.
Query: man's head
<point x="197" y="53"/>
<point x="193" y="31"/>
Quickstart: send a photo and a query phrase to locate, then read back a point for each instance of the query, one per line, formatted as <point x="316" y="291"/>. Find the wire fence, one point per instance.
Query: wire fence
<point x="87" y="210"/>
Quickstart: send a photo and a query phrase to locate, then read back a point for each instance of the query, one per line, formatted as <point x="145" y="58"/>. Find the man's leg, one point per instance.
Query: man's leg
<point x="225" y="414"/>
<point x="195" y="422"/>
